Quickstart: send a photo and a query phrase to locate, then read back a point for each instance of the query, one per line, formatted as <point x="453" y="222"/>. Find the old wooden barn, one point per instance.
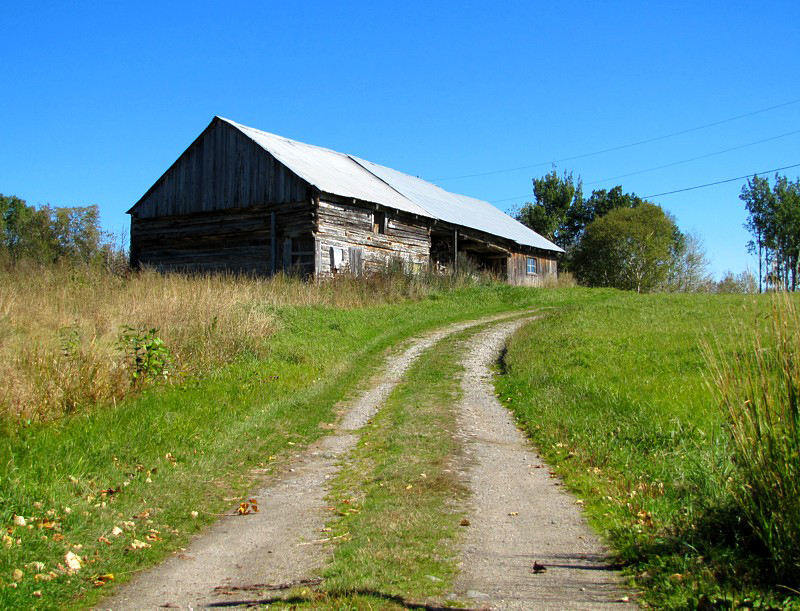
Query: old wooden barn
<point x="240" y="199"/>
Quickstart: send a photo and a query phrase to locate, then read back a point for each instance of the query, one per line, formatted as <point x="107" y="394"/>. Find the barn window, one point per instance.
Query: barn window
<point x="531" y="265"/>
<point x="379" y="222"/>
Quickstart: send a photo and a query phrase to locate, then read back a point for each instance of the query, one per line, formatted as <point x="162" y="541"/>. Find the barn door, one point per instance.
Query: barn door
<point x="356" y="260"/>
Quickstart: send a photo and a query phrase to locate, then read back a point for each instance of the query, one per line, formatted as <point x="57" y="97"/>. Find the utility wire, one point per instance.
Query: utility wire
<point x="623" y="146"/>
<point x="674" y="163"/>
<point x="719" y="182"/>
<point x="668" y="165"/>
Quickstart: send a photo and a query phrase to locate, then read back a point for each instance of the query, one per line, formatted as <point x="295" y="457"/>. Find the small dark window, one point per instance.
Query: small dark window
<point x="379" y="222"/>
<point x="531" y="265"/>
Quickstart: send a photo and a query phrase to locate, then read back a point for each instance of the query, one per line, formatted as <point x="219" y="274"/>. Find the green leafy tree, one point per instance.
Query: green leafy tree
<point x="758" y="201"/>
<point x="561" y="214"/>
<point x="628" y="248"/>
<point x="599" y="203"/>
<point x="554" y="196"/>
<point x="48" y="234"/>
<point x="774" y="223"/>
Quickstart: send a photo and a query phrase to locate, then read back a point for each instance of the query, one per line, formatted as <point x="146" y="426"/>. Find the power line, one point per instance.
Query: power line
<point x="719" y="182"/>
<point x="674" y="163"/>
<point x="623" y="146"/>
<point x="710" y="184"/>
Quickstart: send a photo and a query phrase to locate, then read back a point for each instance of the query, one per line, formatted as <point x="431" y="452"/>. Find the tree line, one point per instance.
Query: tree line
<point x="50" y="234"/>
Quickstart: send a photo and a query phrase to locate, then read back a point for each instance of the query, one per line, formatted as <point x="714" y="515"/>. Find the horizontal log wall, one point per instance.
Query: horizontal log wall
<point x="346" y="227"/>
<point x="222" y="169"/>
<point x="228" y="240"/>
<point x="546" y="269"/>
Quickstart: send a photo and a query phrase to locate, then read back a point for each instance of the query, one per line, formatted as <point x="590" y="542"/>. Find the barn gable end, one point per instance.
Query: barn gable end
<point x="215" y="207"/>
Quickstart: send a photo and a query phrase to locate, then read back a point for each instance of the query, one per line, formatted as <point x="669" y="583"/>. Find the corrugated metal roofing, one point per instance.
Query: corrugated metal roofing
<point x="349" y="176"/>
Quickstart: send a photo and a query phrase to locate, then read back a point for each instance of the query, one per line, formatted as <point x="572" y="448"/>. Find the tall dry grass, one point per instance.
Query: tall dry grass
<point x="61" y="328"/>
<point x="758" y="388"/>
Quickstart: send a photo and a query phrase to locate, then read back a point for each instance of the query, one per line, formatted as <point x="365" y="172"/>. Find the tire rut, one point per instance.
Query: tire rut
<point x="519" y="514"/>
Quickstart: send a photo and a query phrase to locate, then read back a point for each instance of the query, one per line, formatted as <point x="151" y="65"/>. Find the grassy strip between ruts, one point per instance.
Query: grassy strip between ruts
<point x="145" y="466"/>
<point x="398" y="500"/>
<point x="615" y="397"/>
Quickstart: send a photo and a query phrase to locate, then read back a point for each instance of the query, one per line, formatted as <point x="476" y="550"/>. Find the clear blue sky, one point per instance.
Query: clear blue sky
<point x="101" y="97"/>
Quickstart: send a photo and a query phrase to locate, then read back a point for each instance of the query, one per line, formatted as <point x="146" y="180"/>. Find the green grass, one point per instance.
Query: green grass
<point x="615" y="396"/>
<point x="201" y="445"/>
<point x="399" y="496"/>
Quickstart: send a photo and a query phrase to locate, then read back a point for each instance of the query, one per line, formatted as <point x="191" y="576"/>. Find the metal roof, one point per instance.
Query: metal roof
<point x="349" y="176"/>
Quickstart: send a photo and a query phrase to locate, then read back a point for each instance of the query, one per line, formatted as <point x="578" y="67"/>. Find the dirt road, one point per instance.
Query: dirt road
<point x="283" y="542"/>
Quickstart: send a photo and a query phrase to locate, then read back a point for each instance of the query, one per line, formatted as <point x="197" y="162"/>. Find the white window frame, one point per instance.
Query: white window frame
<point x="531" y="260"/>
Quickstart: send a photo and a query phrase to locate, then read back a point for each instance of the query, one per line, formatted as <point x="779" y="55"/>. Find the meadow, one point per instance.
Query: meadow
<point x="140" y="407"/>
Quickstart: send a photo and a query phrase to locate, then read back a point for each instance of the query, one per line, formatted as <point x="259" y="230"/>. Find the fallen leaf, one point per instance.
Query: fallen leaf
<point x="103" y="539"/>
<point x="464" y="522"/>
<point x="136" y="544"/>
<point x="514" y="513"/>
<point x="38" y="593"/>
<point x="101" y="580"/>
<point x="35" y="566"/>
<point x="538" y="568"/>
<point x="45" y="576"/>
<point x="195" y="514"/>
<point x="17" y="575"/>
<point x="73" y="562"/>
<point x="19" y="521"/>
<point x="116" y="531"/>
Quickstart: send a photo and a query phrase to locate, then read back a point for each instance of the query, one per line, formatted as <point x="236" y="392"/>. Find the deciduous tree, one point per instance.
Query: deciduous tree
<point x="627" y="248"/>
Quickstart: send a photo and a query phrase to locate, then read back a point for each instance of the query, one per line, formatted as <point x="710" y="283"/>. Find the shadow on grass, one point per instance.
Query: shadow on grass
<point x="720" y="543"/>
<point x="333" y="597"/>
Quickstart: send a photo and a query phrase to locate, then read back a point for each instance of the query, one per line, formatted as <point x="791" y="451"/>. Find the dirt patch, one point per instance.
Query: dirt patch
<point x="520" y="515"/>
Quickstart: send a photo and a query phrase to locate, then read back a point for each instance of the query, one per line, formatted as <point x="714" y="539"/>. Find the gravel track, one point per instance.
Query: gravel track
<point x="520" y="514"/>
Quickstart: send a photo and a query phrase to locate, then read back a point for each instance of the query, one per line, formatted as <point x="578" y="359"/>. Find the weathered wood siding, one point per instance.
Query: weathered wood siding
<point x="222" y="169"/>
<point x="237" y="240"/>
<point x="546" y="269"/>
<point x="351" y="230"/>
